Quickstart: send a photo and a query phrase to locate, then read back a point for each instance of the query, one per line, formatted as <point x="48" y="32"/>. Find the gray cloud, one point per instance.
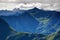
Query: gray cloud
<point x="28" y="1"/>
<point x="10" y="4"/>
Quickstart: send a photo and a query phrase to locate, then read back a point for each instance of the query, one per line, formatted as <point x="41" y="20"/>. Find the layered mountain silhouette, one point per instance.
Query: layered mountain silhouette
<point x="34" y="21"/>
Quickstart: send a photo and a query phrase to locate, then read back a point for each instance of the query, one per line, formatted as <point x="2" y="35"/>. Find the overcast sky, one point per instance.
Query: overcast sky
<point x="11" y="4"/>
<point x="19" y="1"/>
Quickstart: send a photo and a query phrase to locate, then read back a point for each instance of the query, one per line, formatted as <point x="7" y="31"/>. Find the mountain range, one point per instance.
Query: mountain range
<point x="32" y="21"/>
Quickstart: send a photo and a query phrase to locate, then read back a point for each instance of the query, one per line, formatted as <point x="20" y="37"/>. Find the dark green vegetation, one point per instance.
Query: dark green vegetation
<point x="28" y="36"/>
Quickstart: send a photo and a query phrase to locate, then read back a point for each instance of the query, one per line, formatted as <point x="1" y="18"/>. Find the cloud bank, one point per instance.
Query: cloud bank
<point x="29" y="4"/>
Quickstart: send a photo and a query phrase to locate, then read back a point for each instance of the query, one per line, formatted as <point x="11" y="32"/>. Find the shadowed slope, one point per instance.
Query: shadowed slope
<point x="4" y="29"/>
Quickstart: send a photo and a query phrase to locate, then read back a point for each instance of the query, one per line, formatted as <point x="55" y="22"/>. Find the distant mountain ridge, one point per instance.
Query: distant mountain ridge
<point x="13" y="12"/>
<point x="18" y="11"/>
